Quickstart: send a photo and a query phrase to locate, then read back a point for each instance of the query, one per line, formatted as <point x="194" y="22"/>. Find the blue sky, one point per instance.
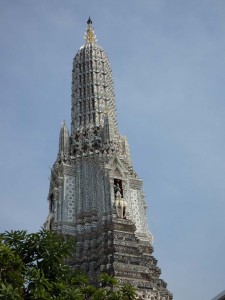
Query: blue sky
<point x="168" y="62"/>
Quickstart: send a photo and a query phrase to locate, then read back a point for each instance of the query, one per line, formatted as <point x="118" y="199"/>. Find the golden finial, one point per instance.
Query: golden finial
<point x="90" y="36"/>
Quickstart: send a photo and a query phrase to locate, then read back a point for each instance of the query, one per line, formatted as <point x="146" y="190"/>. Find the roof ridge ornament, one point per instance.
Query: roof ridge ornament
<point x="90" y="36"/>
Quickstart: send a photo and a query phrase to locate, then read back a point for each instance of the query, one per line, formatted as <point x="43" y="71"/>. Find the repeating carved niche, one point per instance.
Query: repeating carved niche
<point x="137" y="215"/>
<point x="69" y="198"/>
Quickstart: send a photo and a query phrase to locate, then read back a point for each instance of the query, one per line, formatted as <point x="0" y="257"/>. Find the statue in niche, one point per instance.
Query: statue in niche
<point x="121" y="204"/>
<point x="117" y="188"/>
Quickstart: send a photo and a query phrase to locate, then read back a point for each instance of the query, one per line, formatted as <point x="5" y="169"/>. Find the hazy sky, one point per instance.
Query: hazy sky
<point x="168" y="62"/>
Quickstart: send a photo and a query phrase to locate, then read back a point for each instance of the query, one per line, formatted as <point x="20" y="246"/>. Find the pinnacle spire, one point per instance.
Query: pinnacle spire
<point x="90" y="36"/>
<point x="63" y="140"/>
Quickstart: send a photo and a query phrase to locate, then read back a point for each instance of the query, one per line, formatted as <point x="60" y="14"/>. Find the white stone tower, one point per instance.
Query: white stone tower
<point x="94" y="194"/>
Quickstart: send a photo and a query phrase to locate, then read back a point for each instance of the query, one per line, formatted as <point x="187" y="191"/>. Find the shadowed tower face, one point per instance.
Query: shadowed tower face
<point x="94" y="194"/>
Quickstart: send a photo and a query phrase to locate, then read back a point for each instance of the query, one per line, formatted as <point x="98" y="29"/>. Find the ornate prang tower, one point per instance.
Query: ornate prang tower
<point x="94" y="194"/>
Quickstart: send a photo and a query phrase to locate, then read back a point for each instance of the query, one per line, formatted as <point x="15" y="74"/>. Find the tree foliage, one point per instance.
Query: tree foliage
<point x="34" y="266"/>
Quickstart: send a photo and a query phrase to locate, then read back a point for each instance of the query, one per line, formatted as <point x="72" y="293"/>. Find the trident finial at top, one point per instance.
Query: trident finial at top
<point x="89" y="21"/>
<point x="90" y="36"/>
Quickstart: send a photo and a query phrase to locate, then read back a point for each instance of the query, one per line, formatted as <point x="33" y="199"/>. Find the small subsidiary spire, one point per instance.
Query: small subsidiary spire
<point x="90" y="36"/>
<point x="63" y="142"/>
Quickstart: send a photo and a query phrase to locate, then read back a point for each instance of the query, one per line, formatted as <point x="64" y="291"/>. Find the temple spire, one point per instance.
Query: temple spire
<point x="92" y="88"/>
<point x="94" y="193"/>
<point x="90" y="36"/>
<point x="63" y="142"/>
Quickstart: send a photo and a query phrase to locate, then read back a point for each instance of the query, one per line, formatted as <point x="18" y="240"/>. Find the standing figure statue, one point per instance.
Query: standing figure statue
<point x="121" y="204"/>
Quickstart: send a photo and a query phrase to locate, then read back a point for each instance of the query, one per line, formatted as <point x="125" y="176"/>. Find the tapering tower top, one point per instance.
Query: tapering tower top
<point x="90" y="36"/>
<point x="93" y="89"/>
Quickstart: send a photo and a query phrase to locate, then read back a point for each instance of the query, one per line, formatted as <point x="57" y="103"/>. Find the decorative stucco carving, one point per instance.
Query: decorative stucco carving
<point x="98" y="197"/>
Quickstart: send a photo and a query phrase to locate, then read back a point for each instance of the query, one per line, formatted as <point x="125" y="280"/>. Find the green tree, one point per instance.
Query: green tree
<point x="35" y="266"/>
<point x="128" y="292"/>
